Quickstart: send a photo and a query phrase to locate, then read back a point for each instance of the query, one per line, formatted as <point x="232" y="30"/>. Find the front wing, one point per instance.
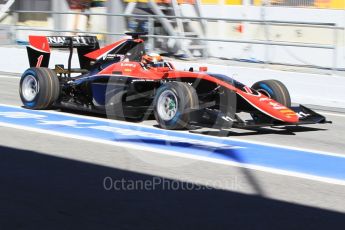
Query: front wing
<point x="223" y="121"/>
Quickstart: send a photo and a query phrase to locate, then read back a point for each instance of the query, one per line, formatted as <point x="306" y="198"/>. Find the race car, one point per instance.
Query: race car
<point x="125" y="82"/>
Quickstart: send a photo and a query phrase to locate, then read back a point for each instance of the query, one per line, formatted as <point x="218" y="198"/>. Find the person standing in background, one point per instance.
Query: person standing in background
<point x="93" y="23"/>
<point x="98" y="22"/>
<point x="98" y="3"/>
<point x="78" y="22"/>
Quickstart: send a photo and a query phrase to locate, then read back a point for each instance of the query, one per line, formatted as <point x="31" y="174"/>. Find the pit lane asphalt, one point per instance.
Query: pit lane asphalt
<point x="293" y="191"/>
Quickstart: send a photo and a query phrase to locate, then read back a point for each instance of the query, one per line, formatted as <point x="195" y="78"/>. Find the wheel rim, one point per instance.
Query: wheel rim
<point x="30" y="88"/>
<point x="167" y="105"/>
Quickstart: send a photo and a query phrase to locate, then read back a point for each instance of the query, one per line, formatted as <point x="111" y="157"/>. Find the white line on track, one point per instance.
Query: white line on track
<point x="311" y="151"/>
<point x="332" y="114"/>
<point x="182" y="155"/>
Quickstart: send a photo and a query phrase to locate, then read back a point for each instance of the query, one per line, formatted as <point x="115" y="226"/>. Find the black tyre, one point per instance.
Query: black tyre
<point x="274" y="89"/>
<point x="173" y="104"/>
<point x="39" y="88"/>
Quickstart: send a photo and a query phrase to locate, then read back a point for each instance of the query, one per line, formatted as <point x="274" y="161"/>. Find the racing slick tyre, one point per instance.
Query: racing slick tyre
<point x="173" y="104"/>
<point x="39" y="88"/>
<point x="273" y="89"/>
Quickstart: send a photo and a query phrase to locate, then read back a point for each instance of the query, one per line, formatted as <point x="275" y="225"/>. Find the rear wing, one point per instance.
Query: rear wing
<point x="39" y="49"/>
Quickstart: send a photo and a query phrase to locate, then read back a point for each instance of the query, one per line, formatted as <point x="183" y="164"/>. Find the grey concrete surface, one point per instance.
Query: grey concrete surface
<point x="55" y="182"/>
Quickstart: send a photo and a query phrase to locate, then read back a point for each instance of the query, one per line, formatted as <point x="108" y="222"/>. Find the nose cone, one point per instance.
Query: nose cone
<point x="281" y="112"/>
<point x="290" y="116"/>
<point x="270" y="107"/>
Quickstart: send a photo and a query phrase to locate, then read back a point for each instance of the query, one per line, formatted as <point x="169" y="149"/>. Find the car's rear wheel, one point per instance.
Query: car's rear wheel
<point x="173" y="104"/>
<point x="39" y="88"/>
<point x="273" y="89"/>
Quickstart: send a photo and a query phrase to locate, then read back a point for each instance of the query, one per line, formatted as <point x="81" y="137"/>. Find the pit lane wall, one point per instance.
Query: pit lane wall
<point x="229" y="9"/>
<point x="305" y="88"/>
<point x="275" y="33"/>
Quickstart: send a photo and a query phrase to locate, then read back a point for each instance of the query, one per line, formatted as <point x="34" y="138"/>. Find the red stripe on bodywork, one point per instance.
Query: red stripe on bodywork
<point x="39" y="61"/>
<point x="40" y="43"/>
<point x="247" y="89"/>
<point x="100" y="52"/>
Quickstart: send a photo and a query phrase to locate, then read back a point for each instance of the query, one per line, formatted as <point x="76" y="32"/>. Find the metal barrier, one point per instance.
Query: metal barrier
<point x="150" y="18"/>
<point x="313" y="4"/>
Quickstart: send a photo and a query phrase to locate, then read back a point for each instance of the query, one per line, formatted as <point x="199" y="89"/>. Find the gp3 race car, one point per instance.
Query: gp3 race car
<point x="123" y="82"/>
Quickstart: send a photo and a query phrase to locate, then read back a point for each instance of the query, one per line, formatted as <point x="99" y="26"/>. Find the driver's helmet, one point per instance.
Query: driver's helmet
<point x="152" y="60"/>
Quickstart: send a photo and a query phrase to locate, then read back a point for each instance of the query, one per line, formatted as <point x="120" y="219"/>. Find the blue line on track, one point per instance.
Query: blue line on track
<point x="281" y="158"/>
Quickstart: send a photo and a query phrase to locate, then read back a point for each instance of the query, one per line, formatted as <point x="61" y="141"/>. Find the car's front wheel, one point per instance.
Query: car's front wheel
<point x="39" y="88"/>
<point x="173" y="104"/>
<point x="273" y="89"/>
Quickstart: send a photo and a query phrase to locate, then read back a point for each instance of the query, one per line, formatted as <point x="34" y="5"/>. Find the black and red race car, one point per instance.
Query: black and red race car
<point x="123" y="82"/>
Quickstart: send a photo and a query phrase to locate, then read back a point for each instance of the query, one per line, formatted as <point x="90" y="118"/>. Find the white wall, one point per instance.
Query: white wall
<point x="277" y="54"/>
